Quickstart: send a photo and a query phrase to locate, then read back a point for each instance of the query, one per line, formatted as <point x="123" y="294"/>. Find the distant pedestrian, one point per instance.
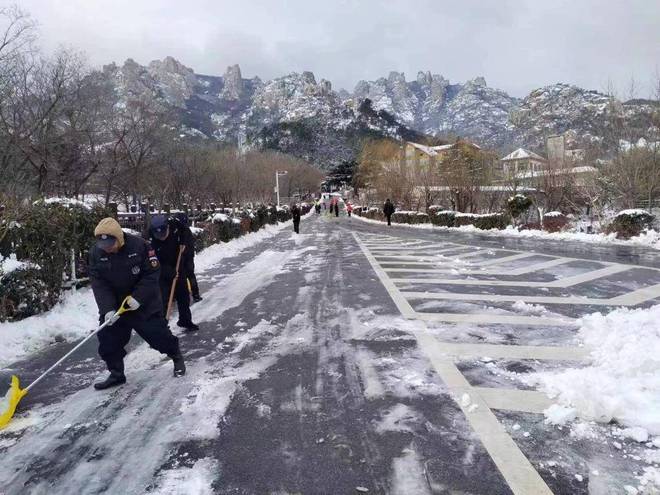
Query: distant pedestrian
<point x="295" y="213"/>
<point x="336" y="207"/>
<point x="317" y="206"/>
<point x="388" y="210"/>
<point x="349" y="209"/>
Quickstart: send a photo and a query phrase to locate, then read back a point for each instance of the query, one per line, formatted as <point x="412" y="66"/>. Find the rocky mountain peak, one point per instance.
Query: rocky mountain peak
<point x="234" y="87"/>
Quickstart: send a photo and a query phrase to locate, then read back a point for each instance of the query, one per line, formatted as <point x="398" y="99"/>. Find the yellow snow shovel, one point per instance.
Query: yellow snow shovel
<point x="15" y="393"/>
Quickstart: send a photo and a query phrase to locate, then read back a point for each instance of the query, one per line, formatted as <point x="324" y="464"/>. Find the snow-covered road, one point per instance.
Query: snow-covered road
<point x="350" y="358"/>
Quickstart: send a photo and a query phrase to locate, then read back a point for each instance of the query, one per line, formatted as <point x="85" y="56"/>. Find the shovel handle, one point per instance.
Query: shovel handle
<point x="123" y="308"/>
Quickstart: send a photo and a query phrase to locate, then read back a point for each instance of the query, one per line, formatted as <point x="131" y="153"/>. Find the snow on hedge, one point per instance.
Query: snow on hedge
<point x="9" y="264"/>
<point x="632" y="213"/>
<point x="622" y="382"/>
<point x="649" y="238"/>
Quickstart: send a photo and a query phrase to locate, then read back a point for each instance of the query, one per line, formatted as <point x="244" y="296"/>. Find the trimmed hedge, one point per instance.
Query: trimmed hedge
<point x="630" y="223"/>
<point x="554" y="221"/>
<point x="444" y="218"/>
<point x="44" y="235"/>
<point x="410" y="217"/>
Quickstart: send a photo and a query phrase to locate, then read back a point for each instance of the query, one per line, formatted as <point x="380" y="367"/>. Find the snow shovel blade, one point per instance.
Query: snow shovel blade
<point x="10" y="401"/>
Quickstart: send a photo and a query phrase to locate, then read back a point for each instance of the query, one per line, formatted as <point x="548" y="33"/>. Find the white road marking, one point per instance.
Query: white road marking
<point x="561" y="282"/>
<point x="506" y="259"/>
<point x="516" y="469"/>
<point x="504" y="351"/>
<point x="637" y="296"/>
<point x="491" y="319"/>
<point x="529" y="401"/>
<point x="631" y="299"/>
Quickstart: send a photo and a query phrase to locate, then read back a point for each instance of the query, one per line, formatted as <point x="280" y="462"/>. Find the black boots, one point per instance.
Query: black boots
<point x="179" y="365"/>
<point x="188" y="327"/>
<point x="116" y="377"/>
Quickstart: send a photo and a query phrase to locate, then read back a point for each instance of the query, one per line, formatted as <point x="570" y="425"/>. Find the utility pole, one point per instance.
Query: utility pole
<point x="277" y="184"/>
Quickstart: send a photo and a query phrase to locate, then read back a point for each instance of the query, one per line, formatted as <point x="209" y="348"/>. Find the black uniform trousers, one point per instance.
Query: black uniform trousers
<point x="181" y="296"/>
<point x="296" y="226"/>
<point x="154" y="330"/>
<point x="190" y="268"/>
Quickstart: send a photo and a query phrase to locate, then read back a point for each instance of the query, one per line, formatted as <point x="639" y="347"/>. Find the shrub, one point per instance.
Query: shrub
<point x="410" y="217"/>
<point x="47" y="233"/>
<point x="23" y="293"/>
<point x="490" y="221"/>
<point x="517" y="205"/>
<point x="484" y="221"/>
<point x="554" y="221"/>
<point x="630" y="223"/>
<point x="446" y="218"/>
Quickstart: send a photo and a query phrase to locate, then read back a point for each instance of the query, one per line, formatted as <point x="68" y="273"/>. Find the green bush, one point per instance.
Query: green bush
<point x="517" y="205"/>
<point x="410" y="217"/>
<point x="23" y="293"/>
<point x="630" y="223"/>
<point x="444" y="218"/>
<point x="486" y="221"/>
<point x="47" y="233"/>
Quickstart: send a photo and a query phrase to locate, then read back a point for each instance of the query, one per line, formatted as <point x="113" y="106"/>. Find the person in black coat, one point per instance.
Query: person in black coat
<point x="295" y="213"/>
<point x="167" y="237"/>
<point x="182" y="218"/>
<point x="123" y="265"/>
<point x="388" y="210"/>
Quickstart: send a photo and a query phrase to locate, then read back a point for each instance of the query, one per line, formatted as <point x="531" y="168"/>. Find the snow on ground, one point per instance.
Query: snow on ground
<point x="649" y="238"/>
<point x="72" y="318"/>
<point x="76" y="314"/>
<point x="212" y="255"/>
<point x="196" y="479"/>
<point x="623" y="381"/>
<point x="408" y="475"/>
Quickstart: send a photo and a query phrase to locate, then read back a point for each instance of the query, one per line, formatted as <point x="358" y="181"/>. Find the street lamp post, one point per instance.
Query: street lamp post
<point x="277" y="184"/>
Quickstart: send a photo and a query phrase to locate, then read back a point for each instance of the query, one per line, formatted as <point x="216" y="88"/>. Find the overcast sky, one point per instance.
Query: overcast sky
<point x="517" y="45"/>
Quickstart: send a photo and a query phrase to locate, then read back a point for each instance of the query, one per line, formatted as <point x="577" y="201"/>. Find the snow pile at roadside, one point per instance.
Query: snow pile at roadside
<point x="622" y="382"/>
<point x="70" y="319"/>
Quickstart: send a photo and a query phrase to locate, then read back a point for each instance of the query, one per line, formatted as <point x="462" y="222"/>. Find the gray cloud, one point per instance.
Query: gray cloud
<point x="516" y="45"/>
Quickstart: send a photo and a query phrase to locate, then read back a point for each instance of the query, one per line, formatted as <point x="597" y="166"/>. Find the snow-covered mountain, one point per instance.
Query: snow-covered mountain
<point x="298" y="114"/>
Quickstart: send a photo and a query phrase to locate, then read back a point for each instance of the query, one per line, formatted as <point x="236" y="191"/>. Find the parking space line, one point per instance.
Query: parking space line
<point x="504" y="351"/>
<point x="508" y="399"/>
<point x="515" y="468"/>
<point x="491" y="319"/>
<point x="560" y="282"/>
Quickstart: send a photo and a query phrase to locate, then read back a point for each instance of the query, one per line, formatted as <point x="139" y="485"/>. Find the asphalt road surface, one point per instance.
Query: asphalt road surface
<point x="353" y="358"/>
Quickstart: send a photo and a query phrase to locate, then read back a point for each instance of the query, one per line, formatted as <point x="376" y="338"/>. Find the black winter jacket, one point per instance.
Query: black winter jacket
<point x="168" y="250"/>
<point x="133" y="270"/>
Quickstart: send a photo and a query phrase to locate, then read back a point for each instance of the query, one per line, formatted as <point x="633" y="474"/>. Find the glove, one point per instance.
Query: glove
<point x="111" y="317"/>
<point x="132" y="303"/>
